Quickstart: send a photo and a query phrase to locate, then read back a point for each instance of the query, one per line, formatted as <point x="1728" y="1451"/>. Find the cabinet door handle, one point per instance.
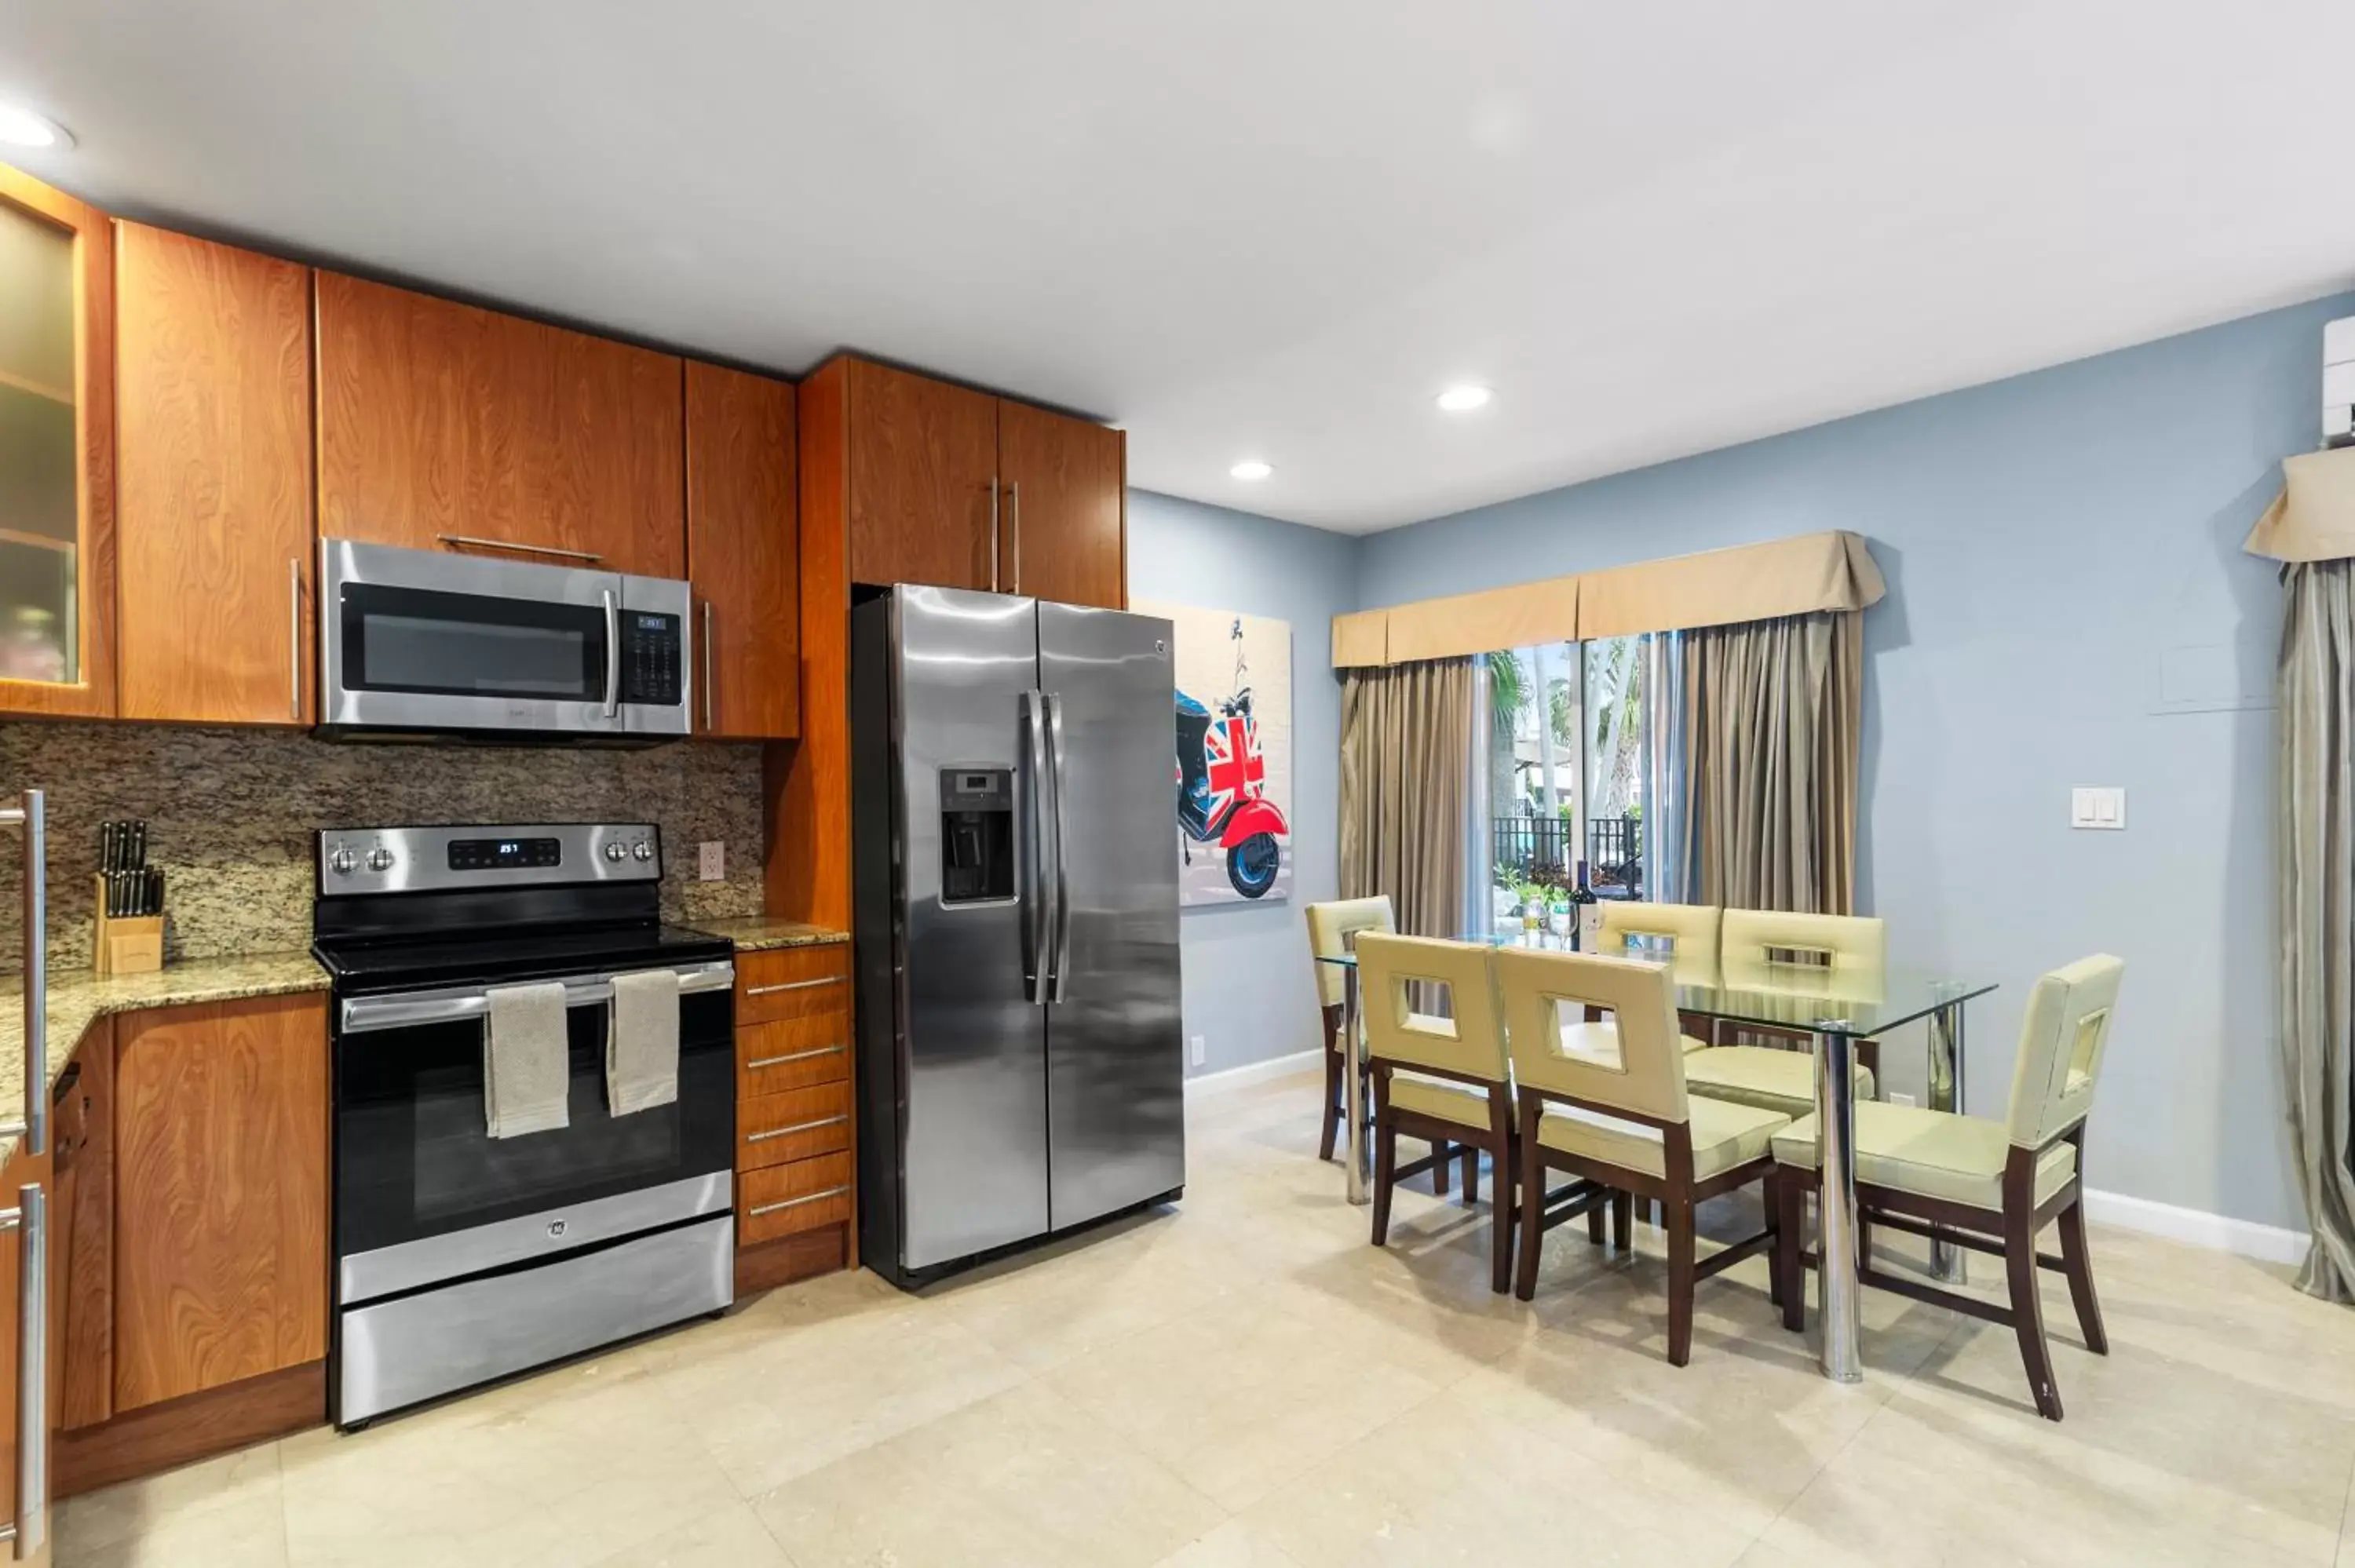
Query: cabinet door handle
<point x="470" y="541"/>
<point x="797" y="1126"/>
<point x="756" y="1210"/>
<point x="706" y="664"/>
<point x="993" y="533"/>
<point x="613" y="652"/>
<point x="793" y="985"/>
<point x="1014" y="515"/>
<point x="294" y="639"/>
<point x="758" y="1063"/>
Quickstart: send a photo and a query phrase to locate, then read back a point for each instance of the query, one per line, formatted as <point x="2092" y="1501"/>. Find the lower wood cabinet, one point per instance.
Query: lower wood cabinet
<point x="221" y="1212"/>
<point x="20" y="1169"/>
<point x="796" y="1125"/>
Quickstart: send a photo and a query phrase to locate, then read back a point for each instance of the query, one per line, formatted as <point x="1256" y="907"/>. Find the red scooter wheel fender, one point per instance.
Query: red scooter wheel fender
<point x="1251" y="818"/>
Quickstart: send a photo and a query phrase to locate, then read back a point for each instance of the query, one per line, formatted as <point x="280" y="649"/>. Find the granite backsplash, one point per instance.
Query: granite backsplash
<point x="231" y="814"/>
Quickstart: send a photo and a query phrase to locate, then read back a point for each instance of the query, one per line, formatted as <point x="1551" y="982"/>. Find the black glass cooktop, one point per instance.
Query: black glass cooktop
<point x="420" y="960"/>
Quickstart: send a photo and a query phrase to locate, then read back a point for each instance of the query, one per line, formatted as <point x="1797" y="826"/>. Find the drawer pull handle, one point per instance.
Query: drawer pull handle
<point x="795" y="985"/>
<point x="797" y="1126"/>
<point x="756" y="1210"/>
<point x="758" y="1063"/>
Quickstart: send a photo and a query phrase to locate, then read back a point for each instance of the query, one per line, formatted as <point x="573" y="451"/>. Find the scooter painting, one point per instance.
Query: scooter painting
<point x="1222" y="784"/>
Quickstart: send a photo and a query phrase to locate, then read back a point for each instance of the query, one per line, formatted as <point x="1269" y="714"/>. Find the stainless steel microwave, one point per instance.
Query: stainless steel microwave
<point x="418" y="643"/>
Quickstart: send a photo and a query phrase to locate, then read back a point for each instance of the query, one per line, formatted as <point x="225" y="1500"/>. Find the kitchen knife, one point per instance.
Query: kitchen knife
<point x="155" y="894"/>
<point x="138" y="844"/>
<point x="105" y="848"/>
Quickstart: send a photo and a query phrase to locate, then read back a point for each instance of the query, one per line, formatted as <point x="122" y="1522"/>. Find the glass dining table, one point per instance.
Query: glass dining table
<point x="1837" y="1009"/>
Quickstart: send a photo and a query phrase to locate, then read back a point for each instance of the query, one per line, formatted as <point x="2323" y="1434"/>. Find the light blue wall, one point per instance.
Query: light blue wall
<point x="1249" y="992"/>
<point x="2068" y="605"/>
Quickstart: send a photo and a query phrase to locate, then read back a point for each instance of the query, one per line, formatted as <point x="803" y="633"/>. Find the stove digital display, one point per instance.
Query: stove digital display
<point x="497" y="855"/>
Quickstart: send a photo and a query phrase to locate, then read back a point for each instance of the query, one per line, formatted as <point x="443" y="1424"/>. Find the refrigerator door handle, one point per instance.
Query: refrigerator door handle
<point x="1030" y="883"/>
<point x="1063" y="928"/>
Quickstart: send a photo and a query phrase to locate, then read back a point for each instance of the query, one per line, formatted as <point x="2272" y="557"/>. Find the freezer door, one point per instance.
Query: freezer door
<point x="972" y="1049"/>
<point x="1115" y="1062"/>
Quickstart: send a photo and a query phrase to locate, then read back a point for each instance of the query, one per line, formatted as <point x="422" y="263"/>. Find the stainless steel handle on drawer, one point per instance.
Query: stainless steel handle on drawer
<point x="756" y="1210"/>
<point x="613" y="652"/>
<point x="363" y="1014"/>
<point x="795" y="985"/>
<point x="797" y="1126"/>
<point x="755" y="1065"/>
<point x="706" y="664"/>
<point x="471" y="540"/>
<point x="294" y="639"/>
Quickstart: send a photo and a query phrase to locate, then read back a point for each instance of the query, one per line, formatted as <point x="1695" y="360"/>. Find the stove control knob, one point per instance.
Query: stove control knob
<point x="379" y="858"/>
<point x="342" y="860"/>
<point x="643" y="850"/>
<point x="614" y="850"/>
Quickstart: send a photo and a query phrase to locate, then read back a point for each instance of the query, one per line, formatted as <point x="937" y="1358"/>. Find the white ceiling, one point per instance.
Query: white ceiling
<point x="1277" y="230"/>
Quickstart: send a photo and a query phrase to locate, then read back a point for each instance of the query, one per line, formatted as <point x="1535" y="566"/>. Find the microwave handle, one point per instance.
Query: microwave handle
<point x="612" y="653"/>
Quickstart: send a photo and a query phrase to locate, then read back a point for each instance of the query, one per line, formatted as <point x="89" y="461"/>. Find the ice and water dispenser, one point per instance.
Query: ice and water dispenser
<point x="977" y="834"/>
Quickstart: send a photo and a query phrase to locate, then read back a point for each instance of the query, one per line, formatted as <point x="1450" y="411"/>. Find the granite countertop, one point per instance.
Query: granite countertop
<point x="753" y="933"/>
<point x="78" y="999"/>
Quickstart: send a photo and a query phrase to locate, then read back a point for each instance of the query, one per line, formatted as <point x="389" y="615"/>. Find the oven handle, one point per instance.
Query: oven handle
<point x="363" y="1015"/>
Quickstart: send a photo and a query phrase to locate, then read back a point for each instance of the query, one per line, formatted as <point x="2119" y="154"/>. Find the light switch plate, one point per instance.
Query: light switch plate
<point x="1194" y="1051"/>
<point x="2103" y="808"/>
<point x="711" y="861"/>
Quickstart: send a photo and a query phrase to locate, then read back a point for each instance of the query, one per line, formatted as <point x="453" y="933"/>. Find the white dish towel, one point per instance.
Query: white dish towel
<point x="526" y="1074"/>
<point x="642" y="1042"/>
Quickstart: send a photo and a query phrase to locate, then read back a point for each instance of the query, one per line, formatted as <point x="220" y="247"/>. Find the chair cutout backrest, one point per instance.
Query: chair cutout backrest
<point x="1645" y="1075"/>
<point x="1468" y="1038"/>
<point x="1688" y="929"/>
<point x="2061" y="1042"/>
<point x="1331" y="927"/>
<point x="1823" y="944"/>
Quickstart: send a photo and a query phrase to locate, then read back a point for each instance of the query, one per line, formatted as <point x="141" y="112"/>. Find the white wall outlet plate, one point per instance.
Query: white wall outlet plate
<point x="1194" y="1053"/>
<point x="2103" y="808"/>
<point x="711" y="861"/>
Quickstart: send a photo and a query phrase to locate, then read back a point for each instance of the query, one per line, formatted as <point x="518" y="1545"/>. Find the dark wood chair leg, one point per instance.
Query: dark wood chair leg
<point x="2081" y="1278"/>
<point x="1790" y="1221"/>
<point x="1385" y="1159"/>
<point x="1440" y="1158"/>
<point x="2028" y="1309"/>
<point x="1771" y="1197"/>
<point x="1681" y="1283"/>
<point x="1623" y="1221"/>
<point x="1335" y="1109"/>
<point x="1595" y="1224"/>
<point x="1532" y="1197"/>
<point x="1471" y="1175"/>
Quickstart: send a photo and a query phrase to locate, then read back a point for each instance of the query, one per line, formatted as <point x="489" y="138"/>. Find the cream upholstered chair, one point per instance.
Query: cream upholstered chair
<point x="1688" y="929"/>
<point x="1814" y="956"/>
<point x="1441" y="1077"/>
<point x="1333" y="927"/>
<point x="1990" y="1185"/>
<point x="1619" y="1117"/>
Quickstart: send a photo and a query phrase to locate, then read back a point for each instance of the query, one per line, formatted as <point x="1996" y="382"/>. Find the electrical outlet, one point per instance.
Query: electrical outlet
<point x="1898" y="1099"/>
<point x="1195" y="1055"/>
<point x="2103" y="809"/>
<point x="711" y="861"/>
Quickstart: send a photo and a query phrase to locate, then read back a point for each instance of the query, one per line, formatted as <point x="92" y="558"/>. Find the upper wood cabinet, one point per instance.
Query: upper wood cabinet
<point x="213" y="487"/>
<point x="57" y="452"/>
<point x="743" y="554"/>
<point x="921" y="466"/>
<point x="444" y="425"/>
<point x="220" y="1232"/>
<point x="1064" y="514"/>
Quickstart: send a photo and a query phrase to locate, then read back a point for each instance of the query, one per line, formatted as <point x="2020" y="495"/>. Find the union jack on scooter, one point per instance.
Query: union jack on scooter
<point x="1221" y="784"/>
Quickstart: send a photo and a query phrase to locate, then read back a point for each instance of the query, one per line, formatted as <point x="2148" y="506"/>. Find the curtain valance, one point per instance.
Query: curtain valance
<point x="1828" y="571"/>
<point x="2313" y="519"/>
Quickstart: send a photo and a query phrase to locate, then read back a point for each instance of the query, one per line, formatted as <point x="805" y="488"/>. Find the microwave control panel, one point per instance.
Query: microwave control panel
<point x="654" y="658"/>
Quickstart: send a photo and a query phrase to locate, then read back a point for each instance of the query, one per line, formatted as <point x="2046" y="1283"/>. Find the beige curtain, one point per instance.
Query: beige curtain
<point x="1771" y="714"/>
<point x="1406" y="765"/>
<point x="2316" y="871"/>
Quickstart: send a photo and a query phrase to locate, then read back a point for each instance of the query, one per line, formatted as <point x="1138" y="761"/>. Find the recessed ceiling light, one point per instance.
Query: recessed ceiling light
<point x="1250" y="468"/>
<point x="1462" y="399"/>
<point x="20" y="127"/>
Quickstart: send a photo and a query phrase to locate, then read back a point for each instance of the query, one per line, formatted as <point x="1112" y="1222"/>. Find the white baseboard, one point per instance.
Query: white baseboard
<point x="1255" y="1071"/>
<point x="2269" y="1244"/>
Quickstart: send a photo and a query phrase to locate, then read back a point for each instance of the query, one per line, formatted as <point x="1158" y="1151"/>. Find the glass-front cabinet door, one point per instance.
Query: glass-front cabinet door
<point x="56" y="428"/>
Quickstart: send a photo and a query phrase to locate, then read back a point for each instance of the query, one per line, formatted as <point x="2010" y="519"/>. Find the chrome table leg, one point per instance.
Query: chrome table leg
<point x="1353" y="1092"/>
<point x="1836" y="1270"/>
<point x="1946" y="1260"/>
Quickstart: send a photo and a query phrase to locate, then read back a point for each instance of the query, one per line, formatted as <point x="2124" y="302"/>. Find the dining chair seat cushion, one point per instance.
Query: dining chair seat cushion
<point x="1723" y="1135"/>
<point x="1930" y="1153"/>
<point x="1442" y="1097"/>
<point x="1762" y="1076"/>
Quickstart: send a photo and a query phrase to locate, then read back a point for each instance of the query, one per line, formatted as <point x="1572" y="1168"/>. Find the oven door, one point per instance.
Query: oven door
<point x="424" y="1195"/>
<point x="420" y="640"/>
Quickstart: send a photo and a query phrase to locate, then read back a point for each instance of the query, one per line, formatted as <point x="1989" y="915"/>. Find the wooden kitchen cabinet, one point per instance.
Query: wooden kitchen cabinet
<point x="57" y="452"/>
<point x="920" y="462"/>
<point x="1064" y="516"/>
<point x="743" y="554"/>
<point x="220" y="1216"/>
<point x="82" y="1316"/>
<point x="441" y="423"/>
<point x="21" y="1169"/>
<point x="213" y="481"/>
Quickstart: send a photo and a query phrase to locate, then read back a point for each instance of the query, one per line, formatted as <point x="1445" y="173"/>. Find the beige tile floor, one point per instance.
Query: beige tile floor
<point x="1245" y="1384"/>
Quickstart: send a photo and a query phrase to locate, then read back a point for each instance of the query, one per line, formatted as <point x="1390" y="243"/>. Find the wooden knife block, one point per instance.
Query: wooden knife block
<point x="124" y="944"/>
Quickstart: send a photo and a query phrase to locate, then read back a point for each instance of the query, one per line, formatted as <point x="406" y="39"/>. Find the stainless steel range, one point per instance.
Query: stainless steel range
<point x="462" y="1257"/>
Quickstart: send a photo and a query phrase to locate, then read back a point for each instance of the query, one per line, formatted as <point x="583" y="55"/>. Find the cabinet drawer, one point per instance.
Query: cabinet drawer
<point x="773" y="1128"/>
<point x="779" y="1200"/>
<point x="791" y="982"/>
<point x="793" y="1053"/>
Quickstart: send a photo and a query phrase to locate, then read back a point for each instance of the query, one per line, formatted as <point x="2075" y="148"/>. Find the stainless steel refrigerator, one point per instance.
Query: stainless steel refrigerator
<point x="1015" y="860"/>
